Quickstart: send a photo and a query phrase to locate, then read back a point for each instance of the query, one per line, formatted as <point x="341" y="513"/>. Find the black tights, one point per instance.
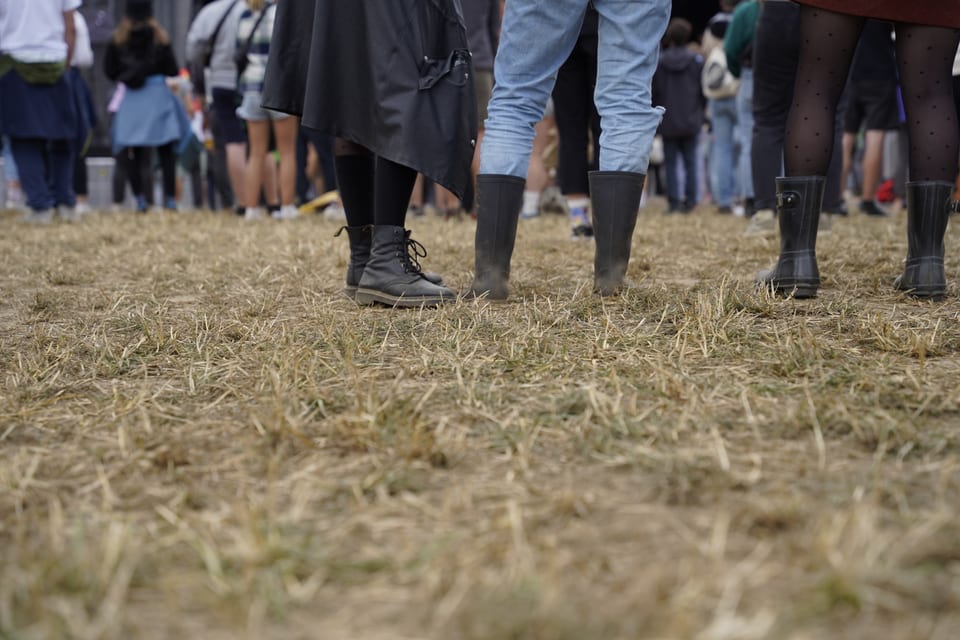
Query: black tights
<point x="373" y="190"/>
<point x="925" y="60"/>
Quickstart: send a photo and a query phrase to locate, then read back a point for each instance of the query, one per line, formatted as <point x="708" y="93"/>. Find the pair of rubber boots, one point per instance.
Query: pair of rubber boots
<point x="799" y="200"/>
<point x="385" y="269"/>
<point x="615" y="201"/>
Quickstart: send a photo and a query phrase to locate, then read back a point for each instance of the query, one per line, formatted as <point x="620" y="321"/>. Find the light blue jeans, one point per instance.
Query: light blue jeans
<point x="723" y="121"/>
<point x="745" y="132"/>
<point x="536" y="39"/>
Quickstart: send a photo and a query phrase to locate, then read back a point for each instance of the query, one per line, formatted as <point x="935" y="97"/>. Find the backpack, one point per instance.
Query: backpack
<point x="716" y="80"/>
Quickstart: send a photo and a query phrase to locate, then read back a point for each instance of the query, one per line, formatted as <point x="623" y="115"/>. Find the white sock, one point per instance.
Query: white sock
<point x="531" y="202"/>
<point x="578" y="203"/>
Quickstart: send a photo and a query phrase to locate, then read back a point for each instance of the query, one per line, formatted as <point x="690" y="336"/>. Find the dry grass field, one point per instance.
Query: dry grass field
<point x="199" y="438"/>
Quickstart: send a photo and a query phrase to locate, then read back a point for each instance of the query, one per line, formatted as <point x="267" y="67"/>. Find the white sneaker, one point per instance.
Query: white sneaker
<point x="336" y="213"/>
<point x="68" y="214"/>
<point x="826" y="224"/>
<point x="287" y="212"/>
<point x="83" y="208"/>
<point x="763" y="223"/>
<point x="38" y="217"/>
<point x="254" y="213"/>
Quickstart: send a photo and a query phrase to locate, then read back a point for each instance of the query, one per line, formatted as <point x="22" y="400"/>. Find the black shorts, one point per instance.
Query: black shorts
<point x="872" y="105"/>
<point x="228" y="127"/>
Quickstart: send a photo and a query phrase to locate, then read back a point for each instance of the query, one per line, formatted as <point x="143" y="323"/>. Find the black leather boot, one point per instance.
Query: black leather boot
<point x="615" y="201"/>
<point x="928" y="209"/>
<point x="360" y="240"/>
<point x="499" y="200"/>
<point x="392" y="275"/>
<point x="798" y="211"/>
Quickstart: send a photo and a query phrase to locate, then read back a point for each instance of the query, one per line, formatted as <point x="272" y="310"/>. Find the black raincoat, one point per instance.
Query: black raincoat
<point x="394" y="76"/>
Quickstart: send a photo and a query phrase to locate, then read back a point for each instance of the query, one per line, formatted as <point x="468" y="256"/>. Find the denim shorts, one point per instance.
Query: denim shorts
<point x="251" y="110"/>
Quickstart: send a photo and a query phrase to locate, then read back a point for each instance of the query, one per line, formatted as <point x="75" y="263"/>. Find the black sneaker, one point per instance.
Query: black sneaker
<point x="870" y="208"/>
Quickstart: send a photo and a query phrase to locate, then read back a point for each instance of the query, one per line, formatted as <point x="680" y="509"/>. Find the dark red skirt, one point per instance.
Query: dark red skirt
<point x="935" y="13"/>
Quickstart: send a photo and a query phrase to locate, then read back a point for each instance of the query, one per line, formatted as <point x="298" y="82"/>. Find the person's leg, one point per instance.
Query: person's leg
<point x="745" y="137"/>
<point x="30" y="156"/>
<point x="723" y="119"/>
<point x="828" y="41"/>
<point x="872" y="166"/>
<point x="925" y="58"/>
<point x="537" y="176"/>
<point x="628" y="52"/>
<point x="775" y="54"/>
<point x="285" y="132"/>
<point x="271" y="179"/>
<point x="141" y="177"/>
<point x="671" y="152"/>
<point x="80" y="179"/>
<point x="168" y="168"/>
<point x="688" y="149"/>
<point x="574" y="111"/>
<point x="525" y="72"/>
<point x="60" y="161"/>
<point x="258" y="135"/>
<point x="393" y="275"/>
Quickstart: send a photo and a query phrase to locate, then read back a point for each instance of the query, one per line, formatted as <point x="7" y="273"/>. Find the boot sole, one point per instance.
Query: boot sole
<point x="796" y="290"/>
<point x="371" y="296"/>
<point x="350" y="292"/>
<point x="926" y="292"/>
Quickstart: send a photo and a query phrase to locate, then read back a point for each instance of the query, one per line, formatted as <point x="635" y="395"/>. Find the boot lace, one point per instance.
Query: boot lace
<point x="415" y="252"/>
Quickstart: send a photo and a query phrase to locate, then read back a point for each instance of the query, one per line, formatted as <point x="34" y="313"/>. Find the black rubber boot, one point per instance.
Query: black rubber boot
<point x="798" y="211"/>
<point x="499" y="200"/>
<point x="392" y="275"/>
<point x="928" y="209"/>
<point x="360" y="241"/>
<point x="615" y="201"/>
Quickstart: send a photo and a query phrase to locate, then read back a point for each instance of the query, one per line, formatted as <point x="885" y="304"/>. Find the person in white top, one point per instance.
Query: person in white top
<point x="37" y="101"/>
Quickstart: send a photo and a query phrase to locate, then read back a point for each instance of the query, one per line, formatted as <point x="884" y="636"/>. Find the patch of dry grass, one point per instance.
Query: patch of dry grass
<point x="200" y="438"/>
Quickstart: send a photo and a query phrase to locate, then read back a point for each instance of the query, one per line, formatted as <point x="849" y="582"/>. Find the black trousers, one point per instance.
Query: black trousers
<point x="577" y="115"/>
<point x="775" y="54"/>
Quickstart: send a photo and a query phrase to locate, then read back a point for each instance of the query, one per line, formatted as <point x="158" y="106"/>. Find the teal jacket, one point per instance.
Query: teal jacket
<point x="740" y="33"/>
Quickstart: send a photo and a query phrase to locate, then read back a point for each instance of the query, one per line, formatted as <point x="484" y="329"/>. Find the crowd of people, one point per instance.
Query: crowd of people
<point x="776" y="112"/>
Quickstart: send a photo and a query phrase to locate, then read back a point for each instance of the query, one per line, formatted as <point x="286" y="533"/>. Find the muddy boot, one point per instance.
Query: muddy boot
<point x="615" y="200"/>
<point x="798" y="211"/>
<point x="499" y="200"/>
<point x="928" y="209"/>
<point x="360" y="239"/>
<point x="392" y="275"/>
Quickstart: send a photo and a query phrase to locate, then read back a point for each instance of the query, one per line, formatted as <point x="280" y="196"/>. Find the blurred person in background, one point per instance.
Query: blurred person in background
<point x="149" y="118"/>
<point x="38" y="111"/>
<point x="254" y="32"/>
<point x="399" y="102"/>
<point x="211" y="48"/>
<point x="720" y="88"/>
<point x="676" y="87"/>
<point x="738" y="47"/>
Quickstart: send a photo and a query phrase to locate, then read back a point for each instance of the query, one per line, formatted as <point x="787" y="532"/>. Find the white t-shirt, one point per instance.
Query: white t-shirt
<point x="33" y="31"/>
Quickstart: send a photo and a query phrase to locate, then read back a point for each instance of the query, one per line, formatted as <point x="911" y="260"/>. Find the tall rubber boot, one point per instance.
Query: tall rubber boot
<point x="392" y="275"/>
<point x="798" y="211"/>
<point x="928" y="209"/>
<point x="499" y="200"/>
<point x="360" y="241"/>
<point x="615" y="201"/>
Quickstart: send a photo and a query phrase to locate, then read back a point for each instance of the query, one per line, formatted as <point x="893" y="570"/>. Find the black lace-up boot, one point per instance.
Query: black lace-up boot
<point x="360" y="241"/>
<point x="392" y="275"/>
<point x="928" y="209"/>
<point x="798" y="211"/>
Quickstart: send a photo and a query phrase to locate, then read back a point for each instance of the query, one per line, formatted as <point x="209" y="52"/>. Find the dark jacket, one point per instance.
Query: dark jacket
<point x="140" y="57"/>
<point x="482" y="18"/>
<point x="393" y="76"/>
<point x="676" y="87"/>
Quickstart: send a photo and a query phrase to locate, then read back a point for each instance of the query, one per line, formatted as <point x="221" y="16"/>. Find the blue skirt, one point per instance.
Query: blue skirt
<point x="150" y="117"/>
<point x="43" y="111"/>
